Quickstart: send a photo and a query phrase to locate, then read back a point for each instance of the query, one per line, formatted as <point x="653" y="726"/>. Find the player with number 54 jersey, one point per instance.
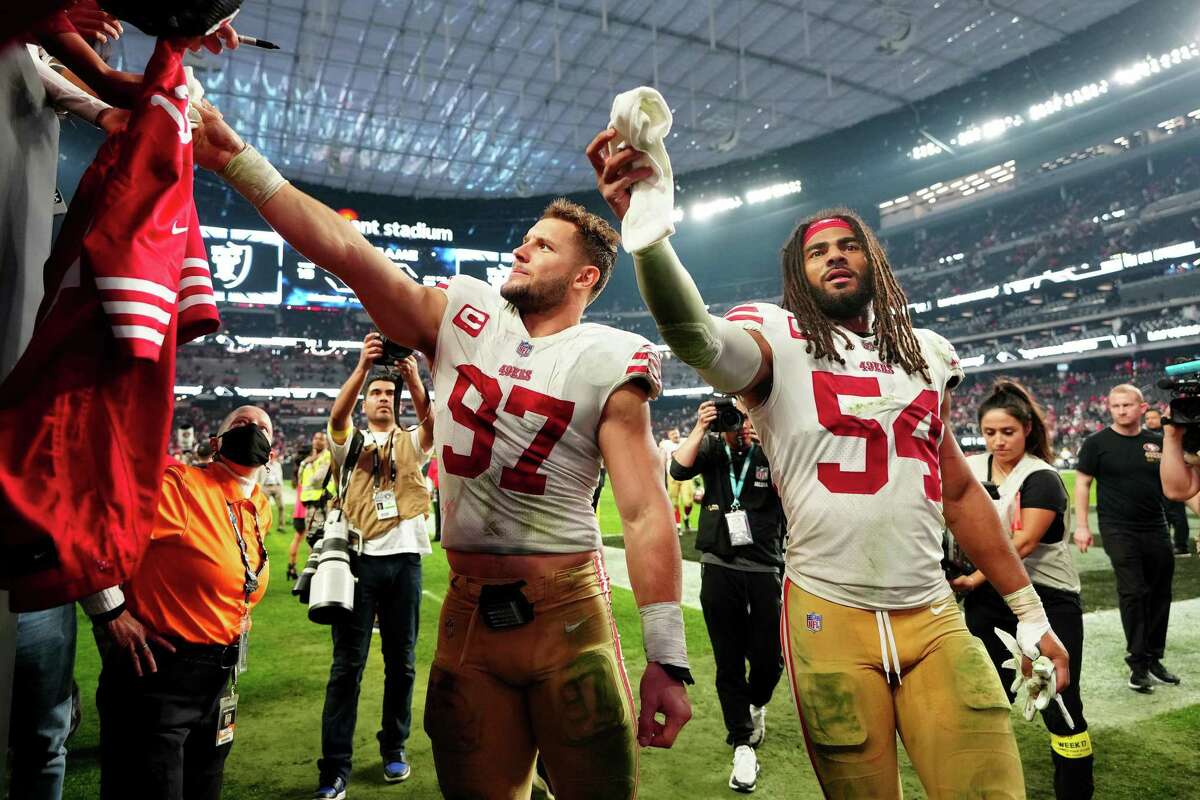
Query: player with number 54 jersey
<point x="528" y="401"/>
<point x="851" y="402"/>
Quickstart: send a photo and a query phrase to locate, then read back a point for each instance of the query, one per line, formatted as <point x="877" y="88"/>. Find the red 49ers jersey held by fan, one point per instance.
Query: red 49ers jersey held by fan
<point x="517" y="419"/>
<point x="854" y="448"/>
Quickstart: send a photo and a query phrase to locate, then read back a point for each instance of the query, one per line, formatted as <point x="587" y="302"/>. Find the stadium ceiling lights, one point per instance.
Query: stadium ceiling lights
<point x="773" y="192"/>
<point x="964" y="187"/>
<point x="1126" y="76"/>
<point x="1082" y="272"/>
<point x="709" y="208"/>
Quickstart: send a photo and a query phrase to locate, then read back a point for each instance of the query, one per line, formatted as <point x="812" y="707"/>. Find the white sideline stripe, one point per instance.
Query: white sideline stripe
<point x="136" y="309"/>
<point x="196" y="300"/>
<point x="135" y="285"/>
<point x="1107" y="701"/>
<point x="618" y="575"/>
<point x="138" y="332"/>
<point x="437" y="598"/>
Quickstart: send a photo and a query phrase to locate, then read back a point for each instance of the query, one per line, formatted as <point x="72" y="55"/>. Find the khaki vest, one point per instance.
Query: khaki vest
<point x="412" y="498"/>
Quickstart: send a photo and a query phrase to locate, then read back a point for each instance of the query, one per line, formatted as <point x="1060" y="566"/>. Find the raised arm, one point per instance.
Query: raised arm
<point x="405" y="311"/>
<point x="343" y="406"/>
<point x="726" y="356"/>
<point x="420" y="400"/>
<point x="1180" y="481"/>
<point x="652" y="553"/>
<point x="684" y="460"/>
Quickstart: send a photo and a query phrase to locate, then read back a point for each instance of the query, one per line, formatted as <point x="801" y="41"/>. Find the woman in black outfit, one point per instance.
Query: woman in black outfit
<point x="1032" y="504"/>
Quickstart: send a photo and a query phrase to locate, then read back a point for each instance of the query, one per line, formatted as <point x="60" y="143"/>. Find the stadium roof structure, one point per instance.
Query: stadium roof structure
<point x="498" y="98"/>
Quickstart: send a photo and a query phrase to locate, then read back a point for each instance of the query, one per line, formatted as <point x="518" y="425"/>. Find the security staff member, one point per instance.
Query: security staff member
<point x="176" y="636"/>
<point x="1124" y="458"/>
<point x="741" y="543"/>
<point x="385" y="503"/>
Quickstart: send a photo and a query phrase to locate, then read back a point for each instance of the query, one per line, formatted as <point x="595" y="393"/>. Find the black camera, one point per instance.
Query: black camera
<point x="1185" y="409"/>
<point x="955" y="562"/>
<point x="393" y="352"/>
<point x="729" y="417"/>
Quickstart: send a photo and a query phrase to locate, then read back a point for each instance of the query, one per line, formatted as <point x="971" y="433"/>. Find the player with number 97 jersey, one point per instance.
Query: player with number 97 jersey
<point x="516" y="423"/>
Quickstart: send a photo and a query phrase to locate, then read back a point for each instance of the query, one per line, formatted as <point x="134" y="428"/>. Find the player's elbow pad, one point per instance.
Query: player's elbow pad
<point x="724" y="354"/>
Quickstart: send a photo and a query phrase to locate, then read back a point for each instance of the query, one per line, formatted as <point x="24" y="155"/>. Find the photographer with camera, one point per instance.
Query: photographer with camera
<point x="314" y="480"/>
<point x="1031" y="500"/>
<point x="1124" y="459"/>
<point x="740" y="538"/>
<point x="1175" y="510"/>
<point x="384" y="502"/>
<point x="1181" y="435"/>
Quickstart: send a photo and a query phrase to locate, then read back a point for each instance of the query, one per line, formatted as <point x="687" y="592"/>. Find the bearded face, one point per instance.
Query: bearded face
<point x="840" y="305"/>
<point x="532" y="295"/>
<point x="839" y="275"/>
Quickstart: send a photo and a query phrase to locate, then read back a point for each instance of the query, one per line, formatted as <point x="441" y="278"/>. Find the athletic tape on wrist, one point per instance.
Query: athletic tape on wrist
<point x="1032" y="623"/>
<point x="662" y="631"/>
<point x="253" y="176"/>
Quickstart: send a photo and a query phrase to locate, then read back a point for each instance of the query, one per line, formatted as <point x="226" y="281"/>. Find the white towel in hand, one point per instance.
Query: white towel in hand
<point x="642" y="120"/>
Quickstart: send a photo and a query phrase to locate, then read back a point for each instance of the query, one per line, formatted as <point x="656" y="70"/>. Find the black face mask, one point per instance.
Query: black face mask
<point x="245" y="445"/>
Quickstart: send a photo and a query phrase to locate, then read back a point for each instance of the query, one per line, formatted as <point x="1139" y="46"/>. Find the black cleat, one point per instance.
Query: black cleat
<point x="1162" y="674"/>
<point x="1140" y="681"/>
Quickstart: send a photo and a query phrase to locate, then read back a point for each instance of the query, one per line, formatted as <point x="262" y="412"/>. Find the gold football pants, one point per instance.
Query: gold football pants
<point x="860" y="677"/>
<point x="555" y="685"/>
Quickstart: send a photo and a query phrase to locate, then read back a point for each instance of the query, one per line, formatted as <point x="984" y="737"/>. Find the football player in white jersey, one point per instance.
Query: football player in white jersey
<point x="851" y="403"/>
<point x="527" y="402"/>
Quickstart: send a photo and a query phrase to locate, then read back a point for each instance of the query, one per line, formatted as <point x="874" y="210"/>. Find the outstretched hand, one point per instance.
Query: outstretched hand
<point x="214" y="143"/>
<point x="615" y="171"/>
<point x="660" y="693"/>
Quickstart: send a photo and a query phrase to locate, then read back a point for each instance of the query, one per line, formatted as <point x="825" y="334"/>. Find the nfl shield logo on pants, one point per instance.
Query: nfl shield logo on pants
<point x="813" y="622"/>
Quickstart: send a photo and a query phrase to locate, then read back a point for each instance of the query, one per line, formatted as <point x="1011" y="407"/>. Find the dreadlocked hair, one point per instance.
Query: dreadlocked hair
<point x="895" y="341"/>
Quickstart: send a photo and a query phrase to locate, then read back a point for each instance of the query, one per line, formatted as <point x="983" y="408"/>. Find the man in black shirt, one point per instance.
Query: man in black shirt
<point x="1124" y="459"/>
<point x="740" y="538"/>
<point x="1176" y="511"/>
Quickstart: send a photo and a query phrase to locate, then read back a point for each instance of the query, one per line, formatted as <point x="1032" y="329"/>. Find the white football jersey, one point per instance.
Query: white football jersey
<point x="517" y="421"/>
<point x="854" y="450"/>
<point x="666" y="449"/>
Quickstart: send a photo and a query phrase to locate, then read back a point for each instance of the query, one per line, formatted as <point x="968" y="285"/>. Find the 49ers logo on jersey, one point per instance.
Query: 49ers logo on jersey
<point x="471" y="319"/>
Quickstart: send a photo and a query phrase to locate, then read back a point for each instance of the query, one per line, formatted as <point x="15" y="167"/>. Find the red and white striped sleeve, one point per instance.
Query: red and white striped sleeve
<point x="198" y="314"/>
<point x="746" y="313"/>
<point x="645" y="365"/>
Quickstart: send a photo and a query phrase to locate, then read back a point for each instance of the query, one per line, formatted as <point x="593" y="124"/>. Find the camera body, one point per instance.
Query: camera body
<point x="729" y="416"/>
<point x="393" y="352"/>
<point x="1185" y="412"/>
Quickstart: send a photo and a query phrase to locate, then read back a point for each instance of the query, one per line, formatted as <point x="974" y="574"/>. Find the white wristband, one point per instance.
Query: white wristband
<point x="253" y="176"/>
<point x="1032" y="623"/>
<point x="662" y="632"/>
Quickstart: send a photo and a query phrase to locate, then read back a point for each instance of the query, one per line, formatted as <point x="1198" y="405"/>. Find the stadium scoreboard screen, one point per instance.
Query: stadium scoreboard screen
<point x="256" y="266"/>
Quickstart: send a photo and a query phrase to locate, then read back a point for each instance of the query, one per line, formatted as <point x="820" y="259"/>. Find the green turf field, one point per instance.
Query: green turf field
<point x="1142" y="756"/>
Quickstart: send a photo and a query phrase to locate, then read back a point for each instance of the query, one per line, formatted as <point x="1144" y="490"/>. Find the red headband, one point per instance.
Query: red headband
<point x="824" y="224"/>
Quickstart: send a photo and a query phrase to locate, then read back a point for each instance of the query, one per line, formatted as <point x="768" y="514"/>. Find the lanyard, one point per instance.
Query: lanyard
<point x="736" y="484"/>
<point x="251" y="581"/>
<point x="375" y="458"/>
